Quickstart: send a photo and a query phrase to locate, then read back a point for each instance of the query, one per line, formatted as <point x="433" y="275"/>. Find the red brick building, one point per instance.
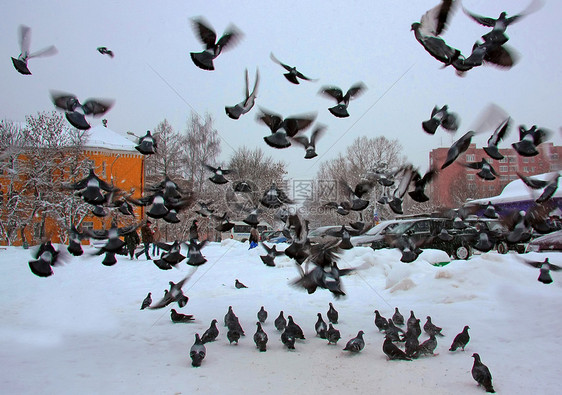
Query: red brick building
<point x="456" y="183"/>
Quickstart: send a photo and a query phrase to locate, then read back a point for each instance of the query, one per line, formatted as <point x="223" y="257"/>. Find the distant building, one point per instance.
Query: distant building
<point x="456" y="183"/>
<point x="116" y="161"/>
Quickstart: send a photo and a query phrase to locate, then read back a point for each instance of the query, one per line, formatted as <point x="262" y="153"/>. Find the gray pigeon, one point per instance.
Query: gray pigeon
<point x="213" y="48"/>
<point x="229" y="316"/>
<point x="549" y="186"/>
<point x="178" y="317"/>
<point x="294" y="328"/>
<point x="397" y="317"/>
<point x="486" y="172"/>
<point x="428" y="346"/>
<point x="280" y="322"/>
<point x="197" y="351"/>
<point x="147" y="301"/>
<point x="340" y="110"/>
<point x="411" y="344"/>
<point x="293" y="74"/>
<point x="380" y="321"/>
<point x="25" y="39"/>
<point x="356" y="344"/>
<point x="441" y="117"/>
<point x="333" y="335"/>
<point x="246" y="105"/>
<point x="529" y="139"/>
<point x="430" y="328"/>
<point x="262" y="315"/>
<point x="233" y="335"/>
<point x="239" y="285"/>
<point x="210" y="334"/>
<point x="310" y="144"/>
<point x="498" y="135"/>
<point x="458" y="147"/>
<point x="481" y="374"/>
<point x="461" y="340"/>
<point x="332" y="314"/>
<point x="392" y="351"/>
<point x="260" y="338"/>
<point x="321" y="327"/>
<point x="545" y="268"/>
<point x="288" y="338"/>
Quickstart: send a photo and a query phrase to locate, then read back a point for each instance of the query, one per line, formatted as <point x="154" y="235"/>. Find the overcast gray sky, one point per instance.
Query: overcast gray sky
<point x="152" y="76"/>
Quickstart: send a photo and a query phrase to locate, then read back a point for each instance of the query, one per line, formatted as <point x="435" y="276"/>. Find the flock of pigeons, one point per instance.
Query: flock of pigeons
<point x="166" y="199"/>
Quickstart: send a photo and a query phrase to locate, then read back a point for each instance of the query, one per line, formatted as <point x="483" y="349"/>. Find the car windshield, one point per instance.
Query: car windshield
<point x="382" y="228"/>
<point x="402" y="227"/>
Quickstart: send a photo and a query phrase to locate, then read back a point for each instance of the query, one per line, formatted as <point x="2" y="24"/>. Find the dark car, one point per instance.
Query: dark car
<point x="424" y="233"/>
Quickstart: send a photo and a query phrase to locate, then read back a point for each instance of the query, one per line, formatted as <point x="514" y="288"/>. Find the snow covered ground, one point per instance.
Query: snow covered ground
<point x="81" y="330"/>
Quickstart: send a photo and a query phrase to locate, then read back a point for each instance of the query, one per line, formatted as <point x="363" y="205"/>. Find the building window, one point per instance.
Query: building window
<point x="504" y="160"/>
<point x="525" y="169"/>
<point x="513" y="168"/>
<point x="532" y="160"/>
<point x="504" y="178"/>
<point x="525" y="160"/>
<point x="470" y="177"/>
<point x="533" y="169"/>
<point x="512" y="177"/>
<point x="512" y="159"/>
<point x="88" y="225"/>
<point x="554" y="156"/>
<point x="503" y="168"/>
<point x="491" y="187"/>
<point x="470" y="157"/>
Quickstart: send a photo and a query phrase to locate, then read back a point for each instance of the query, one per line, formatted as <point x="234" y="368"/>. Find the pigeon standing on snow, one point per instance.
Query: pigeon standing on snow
<point x="288" y="338"/>
<point x="380" y="321"/>
<point x="356" y="344"/>
<point x="260" y="338"/>
<point x="392" y="351"/>
<point x="321" y="327"/>
<point x="147" y="301"/>
<point x="239" y="285"/>
<point x="332" y="334"/>
<point x="481" y="374"/>
<point x="293" y="74"/>
<point x="210" y="334"/>
<point x="332" y="314"/>
<point x="179" y="317"/>
<point x="397" y="317"/>
<point x="247" y="104"/>
<point x="213" y="48"/>
<point x="461" y="340"/>
<point x="428" y="346"/>
<point x="197" y="351"/>
<point x="280" y="322"/>
<point x="294" y="328"/>
<point x="262" y="315"/>
<point x="340" y="110"/>
<point x="430" y="328"/>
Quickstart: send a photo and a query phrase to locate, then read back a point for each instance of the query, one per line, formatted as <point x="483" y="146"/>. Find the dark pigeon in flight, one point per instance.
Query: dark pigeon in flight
<point x="545" y="268"/>
<point x="458" y="147"/>
<point x="45" y="257"/>
<point x="219" y="173"/>
<point x="20" y="63"/>
<point x="498" y="135"/>
<point x="549" y="186"/>
<point x="283" y="128"/>
<point x="340" y="110"/>
<point x="147" y="144"/>
<point x="213" y="48"/>
<point x="441" y="117"/>
<point x="106" y="51"/>
<point x="486" y="170"/>
<point x="76" y="112"/>
<point x="529" y="139"/>
<point x="293" y="74"/>
<point x="310" y="144"/>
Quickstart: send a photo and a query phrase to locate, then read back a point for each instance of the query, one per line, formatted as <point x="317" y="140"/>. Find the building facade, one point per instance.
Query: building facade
<point x="457" y="183"/>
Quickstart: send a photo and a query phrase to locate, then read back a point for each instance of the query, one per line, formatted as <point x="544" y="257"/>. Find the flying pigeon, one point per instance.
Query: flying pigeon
<point x="498" y="135"/>
<point x="529" y="139"/>
<point x="458" y="147"/>
<point x="210" y="334"/>
<point x="549" y="186"/>
<point x="45" y="257"/>
<point x="321" y="327"/>
<point x="407" y="175"/>
<point x="545" y="268"/>
<point x="342" y="208"/>
<point x="418" y="194"/>
<point x="397" y="318"/>
<point x="74" y="241"/>
<point x="461" y="340"/>
<point x="272" y="253"/>
<point x="178" y="317"/>
<point x="332" y="314"/>
<point x="147" y="301"/>
<point x="174" y="294"/>
<point x="219" y="173"/>
<point x="213" y="48"/>
<point x="380" y="321"/>
<point x="225" y="225"/>
<point x="147" y="144"/>
<point x="260" y="338"/>
<point x="247" y="104"/>
<point x="275" y="197"/>
<point x="25" y="40"/>
<point x="310" y="144"/>
<point x="280" y="322"/>
<point x="356" y="344"/>
<point x="441" y="117"/>
<point x="196" y="258"/>
<point x="332" y="334"/>
<point x="105" y="51"/>
<point x="283" y="128"/>
<point x="340" y="110"/>
<point x="392" y="351"/>
<point x="486" y="171"/>
<point x="197" y="352"/>
<point x="239" y="285"/>
<point x="90" y="188"/>
<point x="293" y="74"/>
<point x="481" y="374"/>
<point x="75" y="112"/>
<point x="262" y="315"/>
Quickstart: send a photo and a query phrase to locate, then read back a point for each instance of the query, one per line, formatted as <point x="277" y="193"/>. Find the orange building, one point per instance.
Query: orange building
<point x="115" y="160"/>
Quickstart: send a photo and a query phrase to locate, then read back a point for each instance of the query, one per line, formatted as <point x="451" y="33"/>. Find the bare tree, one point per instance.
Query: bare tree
<point x="167" y="160"/>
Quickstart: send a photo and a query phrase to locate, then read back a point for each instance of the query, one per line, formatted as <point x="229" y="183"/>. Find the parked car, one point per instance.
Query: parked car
<point x="274" y="236"/>
<point x="548" y="242"/>
<point x="424" y="231"/>
<point x="375" y="234"/>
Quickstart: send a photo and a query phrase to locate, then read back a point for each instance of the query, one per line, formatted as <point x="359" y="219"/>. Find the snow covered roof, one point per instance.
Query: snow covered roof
<point x="101" y="137"/>
<point x="516" y="191"/>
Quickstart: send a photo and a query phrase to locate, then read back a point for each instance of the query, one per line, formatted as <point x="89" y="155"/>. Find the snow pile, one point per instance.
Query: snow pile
<point x="81" y="330"/>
